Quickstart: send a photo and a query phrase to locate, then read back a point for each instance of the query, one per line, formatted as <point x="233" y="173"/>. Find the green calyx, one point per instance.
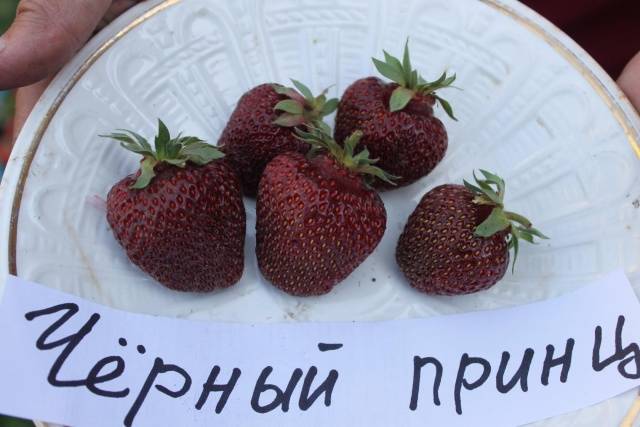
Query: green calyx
<point x="490" y="192"/>
<point x="174" y="151"/>
<point x="320" y="140"/>
<point x="410" y="82"/>
<point x="302" y="107"/>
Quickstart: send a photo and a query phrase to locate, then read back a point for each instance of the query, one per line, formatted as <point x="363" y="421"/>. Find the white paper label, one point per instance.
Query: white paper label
<point x="71" y="361"/>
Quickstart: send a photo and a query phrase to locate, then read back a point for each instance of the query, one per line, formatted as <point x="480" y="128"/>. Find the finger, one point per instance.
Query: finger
<point x="44" y="36"/>
<point x="118" y="7"/>
<point x="26" y="98"/>
<point x="629" y="81"/>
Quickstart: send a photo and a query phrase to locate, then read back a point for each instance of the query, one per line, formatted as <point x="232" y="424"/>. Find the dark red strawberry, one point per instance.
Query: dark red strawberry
<point x="397" y="119"/>
<point x="261" y="127"/>
<point x="317" y="219"/>
<point x="180" y="218"/>
<point x="457" y="240"/>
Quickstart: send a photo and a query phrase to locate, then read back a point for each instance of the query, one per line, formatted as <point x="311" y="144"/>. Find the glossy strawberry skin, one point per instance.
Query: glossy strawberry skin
<point x="251" y="139"/>
<point x="316" y="222"/>
<point x="409" y="143"/>
<point x="186" y="229"/>
<point x="438" y="251"/>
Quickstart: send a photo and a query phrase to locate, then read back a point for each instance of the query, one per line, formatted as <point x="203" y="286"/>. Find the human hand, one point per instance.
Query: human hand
<point x="629" y="81"/>
<point x="43" y="37"/>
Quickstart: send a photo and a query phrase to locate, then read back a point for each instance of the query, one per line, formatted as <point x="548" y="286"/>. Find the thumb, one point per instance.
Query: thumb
<point x="44" y="36"/>
<point x="629" y="81"/>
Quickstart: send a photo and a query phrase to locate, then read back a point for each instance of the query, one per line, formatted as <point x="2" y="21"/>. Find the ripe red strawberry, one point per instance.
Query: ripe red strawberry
<point x="457" y="240"/>
<point x="261" y="127"/>
<point x="397" y="119"/>
<point x="180" y="218"/>
<point x="317" y="219"/>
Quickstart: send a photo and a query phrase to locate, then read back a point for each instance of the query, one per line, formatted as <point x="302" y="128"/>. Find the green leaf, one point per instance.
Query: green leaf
<point x="392" y="61"/>
<point x="364" y="156"/>
<point x="141" y="141"/>
<point x="187" y="140"/>
<point x="130" y="143"/>
<point x="516" y="248"/>
<point x="322" y="126"/>
<point x="449" y="81"/>
<point x="493" y="178"/>
<point x="161" y="140"/>
<point x="487" y="191"/>
<point x="406" y="63"/>
<point x="172" y="148"/>
<point x="414" y="79"/>
<point x="524" y="235"/>
<point x="330" y="106"/>
<point x="400" y="97"/>
<point x="446" y="107"/>
<point x="495" y="222"/>
<point x="290" y="106"/>
<point x="304" y="90"/>
<point x="518" y="218"/>
<point x="390" y="72"/>
<point x="176" y="162"/>
<point x="286" y="91"/>
<point x="131" y="136"/>
<point x="379" y="173"/>
<point x="146" y="173"/>
<point x="359" y="163"/>
<point x="537" y="233"/>
<point x="440" y="83"/>
<point x="351" y="142"/>
<point x="474" y="189"/>
<point x="319" y="101"/>
<point x="201" y="153"/>
<point x="289" y="120"/>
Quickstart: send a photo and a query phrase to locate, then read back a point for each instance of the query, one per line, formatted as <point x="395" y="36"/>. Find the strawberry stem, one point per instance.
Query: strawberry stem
<point x="320" y="139"/>
<point x="410" y="82"/>
<point x="175" y="151"/>
<point x="489" y="191"/>
<point x="302" y="107"/>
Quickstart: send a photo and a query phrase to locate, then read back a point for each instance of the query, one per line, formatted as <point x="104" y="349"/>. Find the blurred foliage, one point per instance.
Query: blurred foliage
<point x="12" y="422"/>
<point x="7" y="107"/>
<point x="7" y="13"/>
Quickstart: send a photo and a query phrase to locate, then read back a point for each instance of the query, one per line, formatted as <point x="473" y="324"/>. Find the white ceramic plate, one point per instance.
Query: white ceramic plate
<point x="534" y="108"/>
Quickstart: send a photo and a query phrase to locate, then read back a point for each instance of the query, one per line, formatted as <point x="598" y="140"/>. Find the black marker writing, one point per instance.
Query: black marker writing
<point x="210" y="386"/>
<point x="282" y="398"/>
<point x="521" y="374"/>
<point x="95" y="378"/>
<point x="418" y="364"/>
<point x="70" y="342"/>
<point x="326" y="387"/>
<point x="624" y="355"/>
<point x="159" y="367"/>
<point x="329" y="347"/>
<point x="550" y="361"/>
<point x="461" y="380"/>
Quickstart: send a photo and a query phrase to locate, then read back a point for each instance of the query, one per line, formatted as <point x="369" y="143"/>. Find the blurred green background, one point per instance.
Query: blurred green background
<point x="7" y="13"/>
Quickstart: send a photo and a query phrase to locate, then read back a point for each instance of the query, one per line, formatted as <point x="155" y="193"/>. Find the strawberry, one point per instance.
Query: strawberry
<point x="261" y="127"/>
<point x="457" y="240"/>
<point x="317" y="219"/>
<point x="397" y="118"/>
<point x="180" y="218"/>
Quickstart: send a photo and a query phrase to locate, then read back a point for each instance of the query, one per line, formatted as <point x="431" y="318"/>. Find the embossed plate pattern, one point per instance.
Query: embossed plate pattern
<point x="534" y="107"/>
